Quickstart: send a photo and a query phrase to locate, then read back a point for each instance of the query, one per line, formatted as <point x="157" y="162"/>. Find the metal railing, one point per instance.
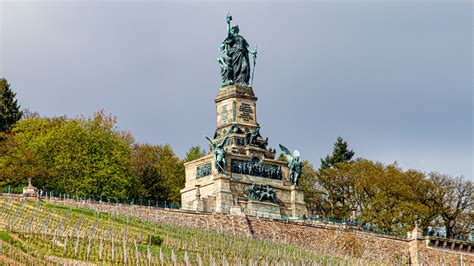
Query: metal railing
<point x="98" y="199"/>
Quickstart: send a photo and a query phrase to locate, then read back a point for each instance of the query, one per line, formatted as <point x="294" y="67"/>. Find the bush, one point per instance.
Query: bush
<point x="5" y="236"/>
<point x="156" y="240"/>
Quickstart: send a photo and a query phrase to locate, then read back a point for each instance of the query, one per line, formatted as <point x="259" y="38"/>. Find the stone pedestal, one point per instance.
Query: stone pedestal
<point x="298" y="206"/>
<point x="224" y="198"/>
<point x="30" y="190"/>
<point x="249" y="162"/>
<point x="263" y="209"/>
<point x="236" y="104"/>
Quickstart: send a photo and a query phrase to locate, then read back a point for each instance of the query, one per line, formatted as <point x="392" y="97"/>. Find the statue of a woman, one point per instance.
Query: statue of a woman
<point x="235" y="66"/>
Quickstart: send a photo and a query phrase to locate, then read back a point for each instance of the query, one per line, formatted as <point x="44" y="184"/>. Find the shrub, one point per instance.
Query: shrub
<point x="5" y="236"/>
<point x="156" y="240"/>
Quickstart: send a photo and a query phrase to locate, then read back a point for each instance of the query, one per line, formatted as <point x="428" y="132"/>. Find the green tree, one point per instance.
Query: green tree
<point x="108" y="159"/>
<point x="147" y="181"/>
<point x="194" y="153"/>
<point x="9" y="109"/>
<point x="86" y="156"/>
<point x="308" y="182"/>
<point x="336" y="187"/>
<point x="340" y="154"/>
<point x="19" y="163"/>
<point x="379" y="194"/>
<point x="388" y="196"/>
<point x="22" y="150"/>
<point x="172" y="169"/>
<point x="157" y="173"/>
<point x="281" y="157"/>
<point x="454" y="199"/>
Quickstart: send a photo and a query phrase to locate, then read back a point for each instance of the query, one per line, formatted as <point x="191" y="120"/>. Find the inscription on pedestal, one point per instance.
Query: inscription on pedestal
<point x="246" y="112"/>
<point x="224" y="113"/>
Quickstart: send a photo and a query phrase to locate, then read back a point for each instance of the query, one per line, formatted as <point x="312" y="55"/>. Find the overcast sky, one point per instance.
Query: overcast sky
<point x="392" y="78"/>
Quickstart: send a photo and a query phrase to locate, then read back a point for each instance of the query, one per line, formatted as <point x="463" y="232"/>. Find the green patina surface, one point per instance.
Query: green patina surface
<point x="235" y="63"/>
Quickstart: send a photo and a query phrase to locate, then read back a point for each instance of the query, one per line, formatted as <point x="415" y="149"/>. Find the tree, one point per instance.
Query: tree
<point x="108" y="159"/>
<point x="9" y="109"/>
<point x="85" y="156"/>
<point x="464" y="225"/>
<point x="172" y="169"/>
<point x="157" y="173"/>
<point x="454" y="198"/>
<point x="308" y="182"/>
<point x="336" y="185"/>
<point x="27" y="113"/>
<point x="375" y="193"/>
<point x="19" y="164"/>
<point x="194" y="153"/>
<point x="281" y="157"/>
<point x="146" y="181"/>
<point x="340" y="154"/>
<point x="388" y="196"/>
<point x="21" y="152"/>
<point x="422" y="192"/>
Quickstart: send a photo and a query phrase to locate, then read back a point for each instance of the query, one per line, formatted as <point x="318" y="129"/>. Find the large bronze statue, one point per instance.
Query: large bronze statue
<point x="235" y="64"/>
<point x="294" y="164"/>
<point x="219" y="154"/>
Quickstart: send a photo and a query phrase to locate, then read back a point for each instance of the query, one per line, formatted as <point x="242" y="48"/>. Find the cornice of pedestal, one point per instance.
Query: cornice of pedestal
<point x="235" y="91"/>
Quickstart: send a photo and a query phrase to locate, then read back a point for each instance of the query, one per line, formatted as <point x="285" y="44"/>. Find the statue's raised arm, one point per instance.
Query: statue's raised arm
<point x="211" y="141"/>
<point x="229" y="19"/>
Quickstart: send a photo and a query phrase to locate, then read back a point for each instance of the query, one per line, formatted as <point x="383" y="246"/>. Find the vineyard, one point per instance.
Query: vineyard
<point x="33" y="232"/>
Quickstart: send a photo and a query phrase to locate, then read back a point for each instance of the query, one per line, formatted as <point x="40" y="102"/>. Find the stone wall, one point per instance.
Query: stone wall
<point x="228" y="224"/>
<point x="333" y="240"/>
<point x="327" y="238"/>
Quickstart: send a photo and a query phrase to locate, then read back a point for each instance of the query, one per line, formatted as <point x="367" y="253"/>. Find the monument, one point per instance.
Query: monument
<point x="30" y="190"/>
<point x="240" y="174"/>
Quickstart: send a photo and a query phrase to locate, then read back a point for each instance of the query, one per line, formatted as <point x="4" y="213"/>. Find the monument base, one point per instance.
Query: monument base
<point x="263" y="209"/>
<point x="298" y="206"/>
<point x="30" y="190"/>
<point x="240" y="167"/>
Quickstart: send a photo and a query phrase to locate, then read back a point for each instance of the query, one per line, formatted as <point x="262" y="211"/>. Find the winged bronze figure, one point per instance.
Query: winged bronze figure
<point x="294" y="164"/>
<point x="219" y="154"/>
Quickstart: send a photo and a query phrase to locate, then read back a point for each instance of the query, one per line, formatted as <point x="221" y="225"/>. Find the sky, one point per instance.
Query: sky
<point x="393" y="78"/>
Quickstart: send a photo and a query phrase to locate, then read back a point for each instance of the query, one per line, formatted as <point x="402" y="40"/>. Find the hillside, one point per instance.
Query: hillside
<point x="87" y="233"/>
<point x="45" y="233"/>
